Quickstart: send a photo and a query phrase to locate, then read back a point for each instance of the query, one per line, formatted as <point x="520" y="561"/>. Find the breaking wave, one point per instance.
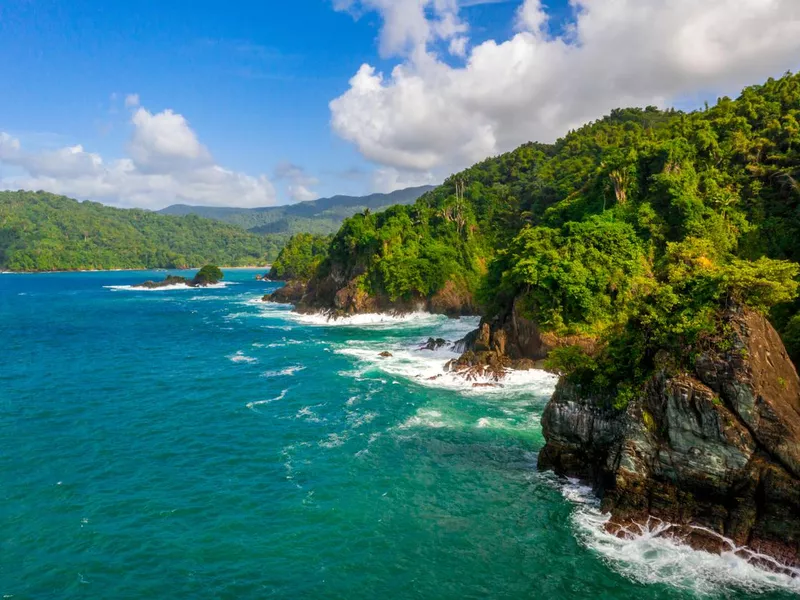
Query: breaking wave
<point x="241" y="357"/>
<point x="647" y="556"/>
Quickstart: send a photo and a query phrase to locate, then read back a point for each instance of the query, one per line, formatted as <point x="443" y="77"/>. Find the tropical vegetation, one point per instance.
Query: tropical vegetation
<point x="638" y="230"/>
<point x="300" y="258"/>
<point x="45" y="232"/>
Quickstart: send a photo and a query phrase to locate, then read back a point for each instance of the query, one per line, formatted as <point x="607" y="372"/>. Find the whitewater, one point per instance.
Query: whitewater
<point x="164" y="444"/>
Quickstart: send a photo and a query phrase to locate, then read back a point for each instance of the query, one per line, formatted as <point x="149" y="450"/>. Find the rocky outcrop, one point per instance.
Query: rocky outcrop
<point x="485" y="357"/>
<point x="509" y="341"/>
<point x="339" y="297"/>
<point x="713" y="451"/>
<point x="291" y="293"/>
<point x="168" y="281"/>
<point x="171" y="280"/>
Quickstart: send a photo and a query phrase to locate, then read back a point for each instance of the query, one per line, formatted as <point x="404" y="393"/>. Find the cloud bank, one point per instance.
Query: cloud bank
<point x="436" y="112"/>
<point x="165" y="164"/>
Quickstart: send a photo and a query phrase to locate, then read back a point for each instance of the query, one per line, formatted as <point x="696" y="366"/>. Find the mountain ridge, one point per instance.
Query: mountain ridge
<point x="322" y="216"/>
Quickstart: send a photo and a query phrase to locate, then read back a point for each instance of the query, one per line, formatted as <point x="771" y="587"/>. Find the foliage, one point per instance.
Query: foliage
<point x="208" y="275"/>
<point x="300" y="257"/>
<point x="45" y="232"/>
<point x="639" y="230"/>
<point x="577" y="276"/>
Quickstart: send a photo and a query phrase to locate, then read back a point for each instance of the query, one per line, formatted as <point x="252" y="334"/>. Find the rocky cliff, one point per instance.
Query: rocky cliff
<point x="340" y="296"/>
<point x="715" y="451"/>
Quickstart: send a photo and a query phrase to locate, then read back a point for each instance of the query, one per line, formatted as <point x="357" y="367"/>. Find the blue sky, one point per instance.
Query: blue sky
<point x="253" y="82"/>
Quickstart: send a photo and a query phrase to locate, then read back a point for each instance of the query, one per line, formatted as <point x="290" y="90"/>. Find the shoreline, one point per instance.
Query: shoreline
<point x="249" y="268"/>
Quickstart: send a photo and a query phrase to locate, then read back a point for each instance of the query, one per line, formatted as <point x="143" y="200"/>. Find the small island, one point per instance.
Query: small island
<point x="208" y="275"/>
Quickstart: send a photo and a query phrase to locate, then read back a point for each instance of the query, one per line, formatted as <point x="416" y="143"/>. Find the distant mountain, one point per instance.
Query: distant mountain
<point x="321" y="216"/>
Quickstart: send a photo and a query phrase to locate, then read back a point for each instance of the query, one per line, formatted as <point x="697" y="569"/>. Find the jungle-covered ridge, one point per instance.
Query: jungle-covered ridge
<point x="635" y="230"/>
<point x="323" y="216"/>
<point x="45" y="232"/>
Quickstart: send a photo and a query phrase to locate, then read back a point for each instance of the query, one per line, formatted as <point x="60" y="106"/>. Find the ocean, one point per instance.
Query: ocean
<point x="198" y="443"/>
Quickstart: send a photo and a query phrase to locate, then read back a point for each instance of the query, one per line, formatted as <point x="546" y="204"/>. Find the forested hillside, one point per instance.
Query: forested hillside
<point x="633" y="230"/>
<point x="43" y="232"/>
<point x="323" y="216"/>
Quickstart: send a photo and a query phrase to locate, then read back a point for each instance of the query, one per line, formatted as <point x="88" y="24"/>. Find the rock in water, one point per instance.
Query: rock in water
<point x="434" y="344"/>
<point x="385" y="354"/>
<point x="168" y="281"/>
<point x="718" y="447"/>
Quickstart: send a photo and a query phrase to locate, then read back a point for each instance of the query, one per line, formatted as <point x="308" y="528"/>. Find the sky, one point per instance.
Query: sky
<point x="264" y="102"/>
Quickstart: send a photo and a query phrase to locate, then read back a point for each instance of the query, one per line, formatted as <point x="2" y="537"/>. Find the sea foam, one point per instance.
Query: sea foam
<point x="371" y="320"/>
<point x="647" y="556"/>
<point x="281" y="396"/>
<point x="167" y="288"/>
<point x="426" y="368"/>
<point x="287" y="372"/>
<point x="241" y="357"/>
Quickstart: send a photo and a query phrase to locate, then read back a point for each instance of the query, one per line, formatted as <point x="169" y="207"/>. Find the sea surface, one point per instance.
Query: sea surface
<point x="198" y="443"/>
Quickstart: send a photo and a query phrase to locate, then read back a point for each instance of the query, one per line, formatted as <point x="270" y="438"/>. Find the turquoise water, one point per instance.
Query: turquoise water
<point x="199" y="444"/>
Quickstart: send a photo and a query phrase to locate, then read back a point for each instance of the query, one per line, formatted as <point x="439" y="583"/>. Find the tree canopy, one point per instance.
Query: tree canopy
<point x="45" y="232"/>
<point x="637" y="229"/>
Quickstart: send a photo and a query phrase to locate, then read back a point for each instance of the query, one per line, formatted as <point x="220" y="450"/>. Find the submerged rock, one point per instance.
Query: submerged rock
<point x="714" y="451"/>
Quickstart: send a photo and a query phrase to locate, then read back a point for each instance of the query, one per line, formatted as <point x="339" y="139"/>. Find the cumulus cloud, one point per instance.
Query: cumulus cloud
<point x="298" y="181"/>
<point x="166" y="164"/>
<point x="428" y="115"/>
<point x="409" y="25"/>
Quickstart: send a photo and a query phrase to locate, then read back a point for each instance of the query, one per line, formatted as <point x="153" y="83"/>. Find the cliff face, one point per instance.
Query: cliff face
<point x="714" y="451"/>
<point x="338" y="294"/>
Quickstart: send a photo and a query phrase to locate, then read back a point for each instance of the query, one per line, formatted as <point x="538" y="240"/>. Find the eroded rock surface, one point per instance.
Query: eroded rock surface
<point x="716" y="448"/>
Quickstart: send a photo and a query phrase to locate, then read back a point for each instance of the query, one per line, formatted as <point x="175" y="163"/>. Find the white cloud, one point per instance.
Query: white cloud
<point x="531" y="16"/>
<point x="409" y="25"/>
<point x="299" y="182"/>
<point x="164" y="142"/>
<point x="167" y="164"/>
<point x="300" y="193"/>
<point x="131" y="100"/>
<point x="430" y="116"/>
<point x="389" y="179"/>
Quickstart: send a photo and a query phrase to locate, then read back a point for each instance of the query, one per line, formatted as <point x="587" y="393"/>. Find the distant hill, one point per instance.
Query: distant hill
<point x="321" y="216"/>
<point x="45" y="232"/>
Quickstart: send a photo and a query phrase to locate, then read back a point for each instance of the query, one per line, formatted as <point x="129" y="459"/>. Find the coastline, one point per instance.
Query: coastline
<point x="129" y="270"/>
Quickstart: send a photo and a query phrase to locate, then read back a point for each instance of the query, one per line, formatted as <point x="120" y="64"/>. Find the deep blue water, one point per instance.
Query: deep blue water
<point x="197" y="443"/>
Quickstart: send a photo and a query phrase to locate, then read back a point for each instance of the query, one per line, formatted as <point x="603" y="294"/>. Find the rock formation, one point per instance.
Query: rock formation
<point x="509" y="341"/>
<point x="291" y="293"/>
<point x="339" y="298"/>
<point x="715" y="451"/>
<point x="169" y="280"/>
